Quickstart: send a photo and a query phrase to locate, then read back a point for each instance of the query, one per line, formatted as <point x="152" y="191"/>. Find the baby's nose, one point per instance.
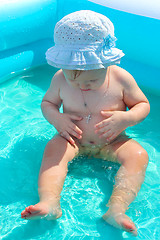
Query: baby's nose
<point x="83" y="85"/>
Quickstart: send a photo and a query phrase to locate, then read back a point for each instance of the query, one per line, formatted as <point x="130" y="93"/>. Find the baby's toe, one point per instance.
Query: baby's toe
<point x="23" y="212"/>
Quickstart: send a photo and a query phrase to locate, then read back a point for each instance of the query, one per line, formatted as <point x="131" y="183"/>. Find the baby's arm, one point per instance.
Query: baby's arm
<point x="50" y="108"/>
<point x="134" y="99"/>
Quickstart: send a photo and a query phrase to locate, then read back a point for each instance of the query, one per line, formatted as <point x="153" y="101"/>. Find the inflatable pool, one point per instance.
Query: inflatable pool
<point x="26" y="33"/>
<point x="24" y="37"/>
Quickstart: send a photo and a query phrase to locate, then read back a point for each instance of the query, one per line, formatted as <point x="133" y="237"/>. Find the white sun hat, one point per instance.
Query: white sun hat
<point x="84" y="40"/>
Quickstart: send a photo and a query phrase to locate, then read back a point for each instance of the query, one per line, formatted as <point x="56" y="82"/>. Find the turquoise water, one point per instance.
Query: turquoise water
<point x="24" y="133"/>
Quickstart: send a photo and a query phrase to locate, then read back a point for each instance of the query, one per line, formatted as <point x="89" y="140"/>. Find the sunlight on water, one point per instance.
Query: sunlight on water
<point x="24" y="134"/>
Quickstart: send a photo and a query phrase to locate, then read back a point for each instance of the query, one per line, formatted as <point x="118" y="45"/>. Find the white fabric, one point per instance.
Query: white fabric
<point x="84" y="40"/>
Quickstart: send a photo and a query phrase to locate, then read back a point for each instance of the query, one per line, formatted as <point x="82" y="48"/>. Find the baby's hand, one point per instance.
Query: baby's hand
<point x="66" y="127"/>
<point x="112" y="126"/>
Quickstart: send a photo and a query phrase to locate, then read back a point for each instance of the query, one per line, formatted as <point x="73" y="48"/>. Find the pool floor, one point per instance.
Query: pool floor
<point x="24" y="133"/>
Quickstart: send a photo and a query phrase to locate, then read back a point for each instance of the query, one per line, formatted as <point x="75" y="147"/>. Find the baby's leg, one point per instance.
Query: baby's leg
<point x="57" y="154"/>
<point x="134" y="160"/>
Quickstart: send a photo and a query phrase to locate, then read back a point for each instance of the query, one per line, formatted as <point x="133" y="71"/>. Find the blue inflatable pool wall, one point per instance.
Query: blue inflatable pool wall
<point x="26" y="32"/>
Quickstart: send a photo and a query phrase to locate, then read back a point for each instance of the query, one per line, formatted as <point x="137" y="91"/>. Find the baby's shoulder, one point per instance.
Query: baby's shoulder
<point x="121" y="75"/>
<point x="58" y="79"/>
<point x="58" y="76"/>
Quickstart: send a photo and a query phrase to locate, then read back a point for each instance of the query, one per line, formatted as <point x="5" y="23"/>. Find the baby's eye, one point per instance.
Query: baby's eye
<point x="93" y="80"/>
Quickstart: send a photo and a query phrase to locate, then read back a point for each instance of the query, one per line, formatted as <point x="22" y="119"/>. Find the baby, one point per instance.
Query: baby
<point x="95" y="93"/>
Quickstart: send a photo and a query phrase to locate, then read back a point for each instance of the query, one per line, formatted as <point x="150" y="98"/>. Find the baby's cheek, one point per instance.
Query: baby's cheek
<point x="74" y="85"/>
<point x="98" y="85"/>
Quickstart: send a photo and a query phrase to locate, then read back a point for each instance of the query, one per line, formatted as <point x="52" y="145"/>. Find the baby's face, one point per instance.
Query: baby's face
<point x="87" y="80"/>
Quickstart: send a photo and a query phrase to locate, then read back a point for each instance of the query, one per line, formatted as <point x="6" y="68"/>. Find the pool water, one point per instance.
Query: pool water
<point x="24" y="133"/>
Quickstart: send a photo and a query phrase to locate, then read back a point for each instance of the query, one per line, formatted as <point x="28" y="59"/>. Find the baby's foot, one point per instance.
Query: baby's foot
<point x="42" y="210"/>
<point x="120" y="220"/>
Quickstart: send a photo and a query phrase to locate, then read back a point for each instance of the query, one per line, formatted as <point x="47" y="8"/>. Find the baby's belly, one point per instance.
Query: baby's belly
<point x="89" y="136"/>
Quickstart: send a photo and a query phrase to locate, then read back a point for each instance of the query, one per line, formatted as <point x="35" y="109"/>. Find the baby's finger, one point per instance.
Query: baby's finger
<point x="105" y="134"/>
<point x="75" y="134"/>
<point x="76" y="129"/>
<point x="112" y="137"/>
<point x="77" y="118"/>
<point x="102" y="129"/>
<point x="67" y="137"/>
<point x="101" y="124"/>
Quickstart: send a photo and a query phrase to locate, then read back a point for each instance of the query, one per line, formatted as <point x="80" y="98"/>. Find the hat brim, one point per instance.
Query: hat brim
<point x="82" y="60"/>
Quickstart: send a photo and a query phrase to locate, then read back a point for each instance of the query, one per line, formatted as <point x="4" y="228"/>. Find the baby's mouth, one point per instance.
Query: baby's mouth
<point x="85" y="89"/>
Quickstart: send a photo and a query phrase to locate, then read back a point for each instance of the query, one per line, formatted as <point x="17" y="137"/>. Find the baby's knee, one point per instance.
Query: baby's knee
<point x="139" y="161"/>
<point x="142" y="156"/>
<point x="136" y="161"/>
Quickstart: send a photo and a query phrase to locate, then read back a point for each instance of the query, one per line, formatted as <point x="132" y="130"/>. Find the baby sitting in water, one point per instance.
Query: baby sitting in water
<point x="95" y="94"/>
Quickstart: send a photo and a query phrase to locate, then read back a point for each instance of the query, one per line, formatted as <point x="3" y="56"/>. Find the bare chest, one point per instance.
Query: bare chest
<point x="76" y="101"/>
